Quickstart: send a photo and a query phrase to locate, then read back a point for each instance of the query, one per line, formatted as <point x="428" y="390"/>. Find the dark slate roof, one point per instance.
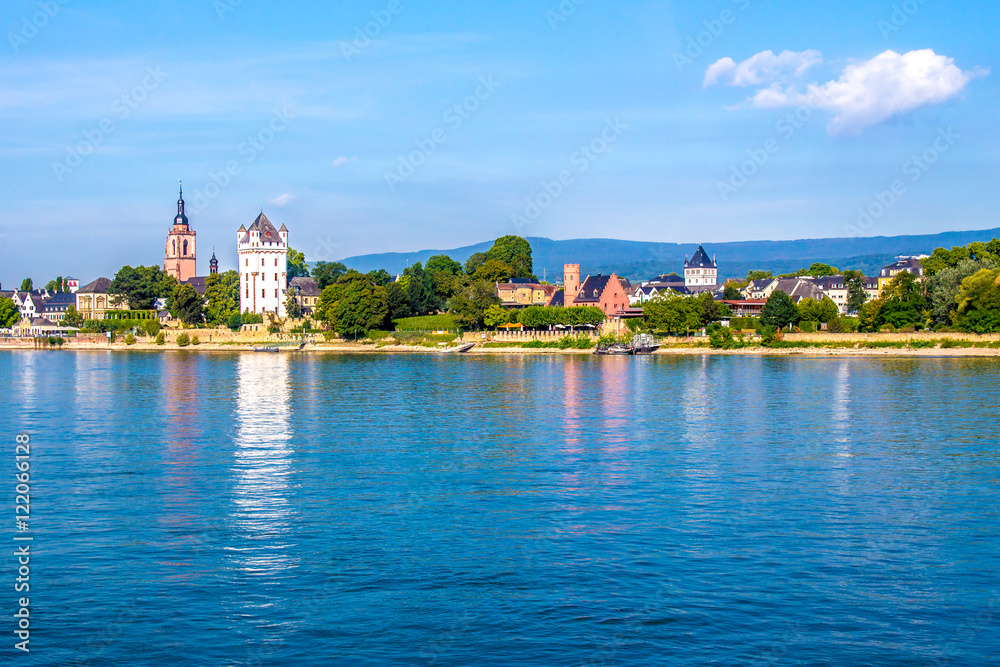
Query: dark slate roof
<point x="6" y="295"/>
<point x="306" y="286"/>
<point x="39" y="303"/>
<point x="268" y="234"/>
<point x="99" y="286"/>
<point x="521" y="281"/>
<point x="758" y="285"/>
<point x="558" y="299"/>
<point x="911" y="264"/>
<point x="592" y="289"/>
<point x="198" y="283"/>
<point x="699" y="259"/>
<point x="829" y="282"/>
<point x="871" y="282"/>
<point x="62" y="297"/>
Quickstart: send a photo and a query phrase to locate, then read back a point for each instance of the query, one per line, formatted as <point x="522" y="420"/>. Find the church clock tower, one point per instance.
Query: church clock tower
<point x="179" y="260"/>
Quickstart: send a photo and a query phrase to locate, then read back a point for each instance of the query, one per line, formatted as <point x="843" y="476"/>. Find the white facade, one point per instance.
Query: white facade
<point x="263" y="258"/>
<point x="700" y="271"/>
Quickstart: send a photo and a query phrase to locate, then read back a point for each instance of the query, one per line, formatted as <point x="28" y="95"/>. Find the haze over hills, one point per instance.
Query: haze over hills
<point x="641" y="260"/>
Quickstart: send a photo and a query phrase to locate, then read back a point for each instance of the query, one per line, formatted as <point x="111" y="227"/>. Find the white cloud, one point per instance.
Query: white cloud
<point x="762" y="68"/>
<point x="281" y="200"/>
<point x="341" y="161"/>
<point x="873" y="91"/>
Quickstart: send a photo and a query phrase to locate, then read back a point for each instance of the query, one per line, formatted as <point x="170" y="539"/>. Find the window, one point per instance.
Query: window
<point x="275" y="263"/>
<point x="275" y="294"/>
<point x="248" y="261"/>
<point x="185" y="248"/>
<point x="263" y="294"/>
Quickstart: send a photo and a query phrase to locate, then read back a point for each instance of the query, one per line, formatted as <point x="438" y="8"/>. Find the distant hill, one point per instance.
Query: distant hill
<point x="641" y="260"/>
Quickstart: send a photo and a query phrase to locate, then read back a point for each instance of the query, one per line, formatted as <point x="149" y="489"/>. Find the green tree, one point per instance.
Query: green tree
<point x="222" y="296"/>
<point x="72" y="318"/>
<point x="235" y="321"/>
<point x="472" y="264"/>
<point x="811" y="310"/>
<point x="354" y="304"/>
<point x="186" y="304"/>
<point x="399" y="304"/>
<point x="380" y="277"/>
<point x="758" y="275"/>
<point x="183" y="340"/>
<point x="153" y="327"/>
<point x="944" y="286"/>
<point x="9" y="314"/>
<point x="515" y="252"/>
<point x="820" y="270"/>
<point x="779" y="311"/>
<point x="470" y="304"/>
<point x="27" y="285"/>
<point x="903" y="302"/>
<point x="140" y="287"/>
<point x="57" y="285"/>
<point x="446" y="276"/>
<point x="292" y="307"/>
<point x="672" y="313"/>
<point x="710" y="310"/>
<point x="496" y="315"/>
<point x="731" y="293"/>
<point x="977" y="252"/>
<point x="327" y="273"/>
<point x="494" y="271"/>
<point x="420" y="290"/>
<point x="856" y="294"/>
<point x="297" y="266"/>
<point x="979" y="302"/>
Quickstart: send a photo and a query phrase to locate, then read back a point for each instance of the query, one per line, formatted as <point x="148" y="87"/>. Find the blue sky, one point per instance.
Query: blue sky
<point x="594" y="119"/>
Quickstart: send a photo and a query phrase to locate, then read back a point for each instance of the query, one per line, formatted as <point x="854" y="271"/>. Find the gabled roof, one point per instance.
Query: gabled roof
<point x="61" y="299"/>
<point x="700" y="259"/>
<point x="198" y="283"/>
<point x="911" y="264"/>
<point x="268" y="233"/>
<point x="306" y="286"/>
<point x="592" y="289"/>
<point x="99" y="286"/>
<point x="558" y="299"/>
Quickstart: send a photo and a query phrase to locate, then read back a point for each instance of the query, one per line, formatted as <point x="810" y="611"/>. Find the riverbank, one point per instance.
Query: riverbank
<point x="874" y="345"/>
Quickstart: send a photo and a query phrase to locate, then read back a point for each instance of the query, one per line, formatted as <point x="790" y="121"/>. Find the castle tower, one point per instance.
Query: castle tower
<point x="213" y="264"/>
<point x="571" y="283"/>
<point x="180" y="257"/>
<point x="700" y="272"/>
<point x="263" y="264"/>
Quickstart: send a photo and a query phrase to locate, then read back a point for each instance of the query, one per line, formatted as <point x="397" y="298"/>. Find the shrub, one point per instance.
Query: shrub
<point x="161" y="339"/>
<point x="130" y="339"/>
<point x="183" y="340"/>
<point x="152" y="327"/>
<point x="744" y="323"/>
<point x="195" y="341"/>
<point x="252" y="318"/>
<point x="330" y="335"/>
<point x="807" y="327"/>
<point x="771" y="335"/>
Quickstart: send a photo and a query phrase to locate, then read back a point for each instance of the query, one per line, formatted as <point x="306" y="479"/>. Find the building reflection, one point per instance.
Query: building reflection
<point x="262" y="462"/>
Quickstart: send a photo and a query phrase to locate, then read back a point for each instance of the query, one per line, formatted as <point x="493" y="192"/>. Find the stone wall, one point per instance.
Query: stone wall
<point x="852" y="338"/>
<point x="521" y="336"/>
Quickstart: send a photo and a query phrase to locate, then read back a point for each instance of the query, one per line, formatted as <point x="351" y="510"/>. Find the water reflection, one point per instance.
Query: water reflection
<point x="261" y="466"/>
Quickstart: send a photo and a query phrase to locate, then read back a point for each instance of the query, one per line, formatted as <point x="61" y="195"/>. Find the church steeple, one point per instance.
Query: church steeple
<point x="181" y="219"/>
<point x="213" y="264"/>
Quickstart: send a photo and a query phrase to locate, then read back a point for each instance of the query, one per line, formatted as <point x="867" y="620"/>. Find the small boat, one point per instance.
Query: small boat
<point x="615" y="350"/>
<point x="267" y="349"/>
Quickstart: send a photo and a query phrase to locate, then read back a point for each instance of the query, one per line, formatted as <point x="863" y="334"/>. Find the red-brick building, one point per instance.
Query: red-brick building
<point x="609" y="293"/>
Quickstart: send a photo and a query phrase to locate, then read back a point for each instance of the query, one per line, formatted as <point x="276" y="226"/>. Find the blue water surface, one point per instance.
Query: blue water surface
<point x="241" y="509"/>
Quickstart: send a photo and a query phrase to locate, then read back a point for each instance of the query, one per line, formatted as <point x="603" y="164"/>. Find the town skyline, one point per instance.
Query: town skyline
<point x="444" y="127"/>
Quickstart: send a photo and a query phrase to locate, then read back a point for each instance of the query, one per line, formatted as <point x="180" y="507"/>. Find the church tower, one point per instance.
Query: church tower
<point x="180" y="258"/>
<point x="213" y="264"/>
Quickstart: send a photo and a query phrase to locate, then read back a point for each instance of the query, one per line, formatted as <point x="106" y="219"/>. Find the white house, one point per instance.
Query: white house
<point x="701" y="273"/>
<point x="263" y="258"/>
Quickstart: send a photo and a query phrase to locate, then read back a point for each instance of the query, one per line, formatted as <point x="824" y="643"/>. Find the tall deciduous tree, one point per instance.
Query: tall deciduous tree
<point x="186" y="304"/>
<point x="140" y="287"/>
<point x="327" y="273"/>
<point x="856" y="294"/>
<point x="9" y="314"/>
<point x="779" y="311"/>
<point x="297" y="266"/>
<point x="672" y="313"/>
<point x="979" y="302"/>
<point x="469" y="305"/>
<point x="515" y="252"/>
<point x="27" y="285"/>
<point x="222" y="294"/>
